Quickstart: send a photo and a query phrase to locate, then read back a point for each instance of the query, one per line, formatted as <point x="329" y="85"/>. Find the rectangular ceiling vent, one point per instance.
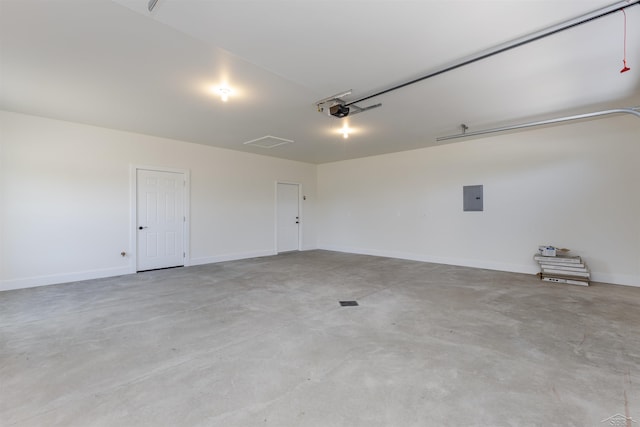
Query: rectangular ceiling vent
<point x="268" y="142"/>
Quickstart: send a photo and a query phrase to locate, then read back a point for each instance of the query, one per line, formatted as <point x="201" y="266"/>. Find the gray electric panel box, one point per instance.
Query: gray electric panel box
<point x="472" y="198"/>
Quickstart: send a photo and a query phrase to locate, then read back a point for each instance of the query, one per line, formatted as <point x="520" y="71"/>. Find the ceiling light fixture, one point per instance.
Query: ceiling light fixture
<point x="345" y="131"/>
<point x="224" y="92"/>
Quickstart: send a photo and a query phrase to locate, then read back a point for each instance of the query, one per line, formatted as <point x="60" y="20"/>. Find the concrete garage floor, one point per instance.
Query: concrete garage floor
<point x="264" y="342"/>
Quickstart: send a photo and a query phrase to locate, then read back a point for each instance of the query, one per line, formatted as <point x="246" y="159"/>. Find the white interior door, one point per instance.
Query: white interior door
<point x="160" y="222"/>
<point x="288" y="227"/>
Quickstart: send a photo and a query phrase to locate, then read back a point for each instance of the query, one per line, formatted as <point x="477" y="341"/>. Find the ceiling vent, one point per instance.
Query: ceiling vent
<point x="268" y="142"/>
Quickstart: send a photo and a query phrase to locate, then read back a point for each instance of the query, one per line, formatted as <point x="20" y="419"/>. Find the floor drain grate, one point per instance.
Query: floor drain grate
<point x="348" y="303"/>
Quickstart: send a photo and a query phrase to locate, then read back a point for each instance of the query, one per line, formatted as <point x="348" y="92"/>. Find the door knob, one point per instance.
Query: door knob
<point x="141" y="228"/>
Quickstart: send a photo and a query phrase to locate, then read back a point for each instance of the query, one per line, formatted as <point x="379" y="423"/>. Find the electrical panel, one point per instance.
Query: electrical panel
<point x="472" y="198"/>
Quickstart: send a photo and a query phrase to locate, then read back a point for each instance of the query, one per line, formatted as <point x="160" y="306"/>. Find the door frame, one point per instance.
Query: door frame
<point x="300" y="214"/>
<point x="133" y="217"/>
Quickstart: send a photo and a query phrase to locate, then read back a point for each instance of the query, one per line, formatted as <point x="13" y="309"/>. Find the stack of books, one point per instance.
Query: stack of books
<point x="563" y="269"/>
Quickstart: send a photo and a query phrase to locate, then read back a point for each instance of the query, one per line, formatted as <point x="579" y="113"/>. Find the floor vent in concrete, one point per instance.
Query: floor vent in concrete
<point x="348" y="303"/>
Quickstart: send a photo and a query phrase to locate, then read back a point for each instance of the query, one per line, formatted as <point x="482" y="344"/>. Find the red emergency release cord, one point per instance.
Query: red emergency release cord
<point x="624" y="59"/>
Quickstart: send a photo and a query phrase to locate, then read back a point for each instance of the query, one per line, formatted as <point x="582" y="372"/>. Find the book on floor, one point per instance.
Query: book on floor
<point x="568" y="267"/>
<point x="566" y="259"/>
<point x="563" y="268"/>
<point x="567" y="281"/>
<point x="566" y="273"/>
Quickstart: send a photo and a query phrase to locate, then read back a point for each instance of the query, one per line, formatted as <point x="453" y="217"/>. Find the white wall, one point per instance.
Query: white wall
<point x="65" y="202"/>
<point x="65" y="199"/>
<point x="574" y="185"/>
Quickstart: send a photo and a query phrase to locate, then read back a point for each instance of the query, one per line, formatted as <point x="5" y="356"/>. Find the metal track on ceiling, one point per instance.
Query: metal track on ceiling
<point x="554" y="29"/>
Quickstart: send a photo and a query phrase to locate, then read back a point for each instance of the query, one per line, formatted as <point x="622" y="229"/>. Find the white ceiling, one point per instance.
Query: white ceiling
<point x="114" y="64"/>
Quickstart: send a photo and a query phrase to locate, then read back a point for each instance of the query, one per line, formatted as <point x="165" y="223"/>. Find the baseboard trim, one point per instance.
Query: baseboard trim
<point x="54" y="279"/>
<point x="230" y="257"/>
<point x="32" y="282"/>
<point x="613" y="279"/>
